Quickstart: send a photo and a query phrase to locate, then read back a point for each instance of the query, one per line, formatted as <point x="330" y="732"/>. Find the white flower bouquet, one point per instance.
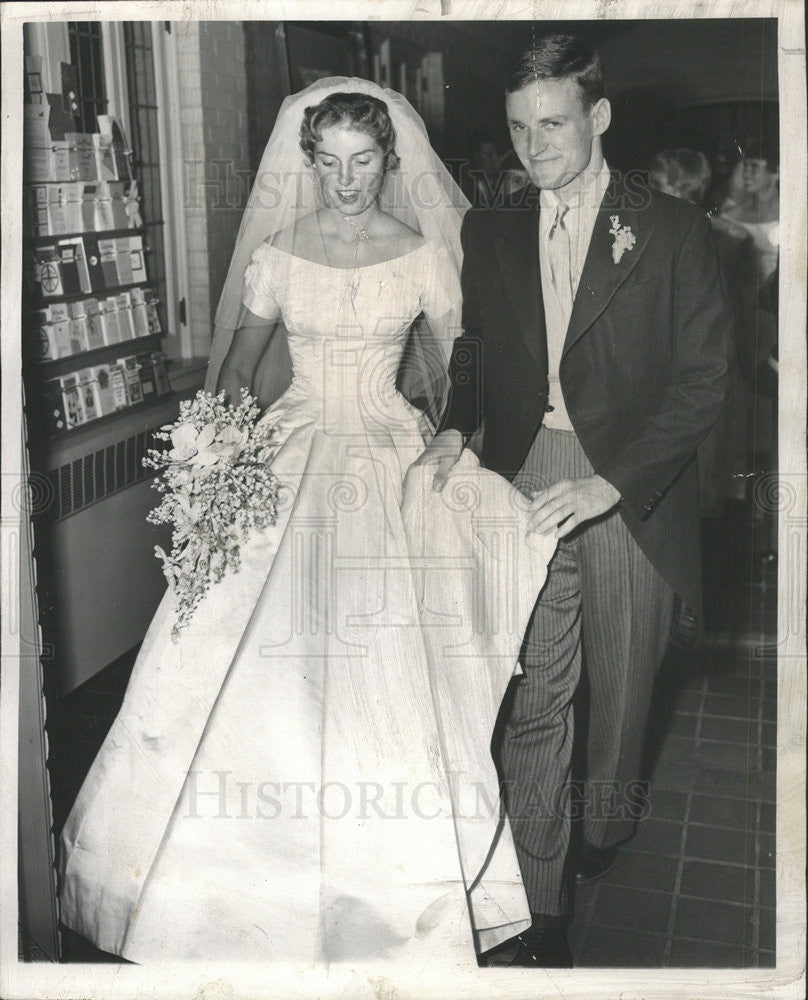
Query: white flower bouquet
<point x="217" y="485"/>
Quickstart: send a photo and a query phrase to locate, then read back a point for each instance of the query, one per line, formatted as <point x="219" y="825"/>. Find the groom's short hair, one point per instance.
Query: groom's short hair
<point x="558" y="57"/>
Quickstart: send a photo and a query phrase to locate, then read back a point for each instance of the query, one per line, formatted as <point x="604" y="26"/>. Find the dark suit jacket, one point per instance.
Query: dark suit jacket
<point x="643" y="369"/>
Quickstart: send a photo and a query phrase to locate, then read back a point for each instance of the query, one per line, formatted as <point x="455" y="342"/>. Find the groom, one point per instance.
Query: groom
<point x="591" y="365"/>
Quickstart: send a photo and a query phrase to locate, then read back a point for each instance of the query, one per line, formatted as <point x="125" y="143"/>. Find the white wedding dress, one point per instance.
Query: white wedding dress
<point x="305" y="775"/>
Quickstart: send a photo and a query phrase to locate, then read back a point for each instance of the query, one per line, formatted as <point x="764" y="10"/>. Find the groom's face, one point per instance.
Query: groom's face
<point x="552" y="131"/>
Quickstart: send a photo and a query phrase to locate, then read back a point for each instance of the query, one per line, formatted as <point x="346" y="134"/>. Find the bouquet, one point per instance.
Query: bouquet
<point x="217" y="485"/>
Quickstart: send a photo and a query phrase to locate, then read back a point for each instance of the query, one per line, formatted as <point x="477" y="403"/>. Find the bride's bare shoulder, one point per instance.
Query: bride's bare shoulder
<point x="298" y="236"/>
<point x="404" y="237"/>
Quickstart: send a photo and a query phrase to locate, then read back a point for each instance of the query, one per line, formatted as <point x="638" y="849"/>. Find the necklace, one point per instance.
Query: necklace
<point x="360" y="236"/>
<point x="360" y="233"/>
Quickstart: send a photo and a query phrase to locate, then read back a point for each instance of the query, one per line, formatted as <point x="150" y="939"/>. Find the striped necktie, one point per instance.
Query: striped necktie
<point x="558" y="255"/>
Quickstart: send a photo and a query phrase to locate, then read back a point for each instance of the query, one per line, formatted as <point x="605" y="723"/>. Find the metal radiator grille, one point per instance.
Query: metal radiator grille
<point x="94" y="476"/>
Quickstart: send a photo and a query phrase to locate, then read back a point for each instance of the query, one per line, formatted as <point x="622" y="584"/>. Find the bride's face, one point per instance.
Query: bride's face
<point x="350" y="169"/>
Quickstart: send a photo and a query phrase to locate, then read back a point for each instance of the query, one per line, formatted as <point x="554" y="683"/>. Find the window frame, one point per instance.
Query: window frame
<point x="177" y="340"/>
<point x="166" y="82"/>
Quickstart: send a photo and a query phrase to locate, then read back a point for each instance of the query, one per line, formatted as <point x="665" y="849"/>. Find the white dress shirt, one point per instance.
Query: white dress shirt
<point x="584" y="203"/>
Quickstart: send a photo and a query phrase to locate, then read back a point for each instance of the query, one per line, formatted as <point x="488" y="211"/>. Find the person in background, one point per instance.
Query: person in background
<point x="725" y="455"/>
<point x="757" y="210"/>
<point x="726" y="174"/>
<point x="483" y="177"/>
<point x="757" y="206"/>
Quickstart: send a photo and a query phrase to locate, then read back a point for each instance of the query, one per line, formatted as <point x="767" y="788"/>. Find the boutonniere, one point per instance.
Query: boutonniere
<point x="624" y="239"/>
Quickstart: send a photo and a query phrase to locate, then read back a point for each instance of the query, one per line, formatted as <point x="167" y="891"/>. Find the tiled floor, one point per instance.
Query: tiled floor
<point x="695" y="886"/>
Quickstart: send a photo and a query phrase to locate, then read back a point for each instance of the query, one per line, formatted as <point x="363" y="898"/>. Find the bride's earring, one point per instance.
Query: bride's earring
<point x="317" y="185"/>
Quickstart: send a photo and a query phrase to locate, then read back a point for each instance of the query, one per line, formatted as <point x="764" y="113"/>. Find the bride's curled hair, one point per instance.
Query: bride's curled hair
<point x="360" y="112"/>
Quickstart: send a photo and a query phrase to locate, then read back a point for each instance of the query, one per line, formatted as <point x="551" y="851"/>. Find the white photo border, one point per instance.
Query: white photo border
<point x="230" y="981"/>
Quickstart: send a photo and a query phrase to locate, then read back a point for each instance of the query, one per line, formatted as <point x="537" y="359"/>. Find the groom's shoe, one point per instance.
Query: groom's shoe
<point x="591" y="863"/>
<point x="543" y="945"/>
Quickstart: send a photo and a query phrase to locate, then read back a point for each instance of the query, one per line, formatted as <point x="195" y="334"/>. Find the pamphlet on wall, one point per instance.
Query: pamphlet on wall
<point x="104" y="389"/>
<point x="120" y="149"/>
<point x="72" y="397"/>
<point x="53" y="405"/>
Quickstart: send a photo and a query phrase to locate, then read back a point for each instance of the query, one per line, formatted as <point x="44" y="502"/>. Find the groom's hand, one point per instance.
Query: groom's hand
<point x="566" y="504"/>
<point x="443" y="451"/>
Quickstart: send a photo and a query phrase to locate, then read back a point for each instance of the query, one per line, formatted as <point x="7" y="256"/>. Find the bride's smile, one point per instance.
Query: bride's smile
<point x="350" y="170"/>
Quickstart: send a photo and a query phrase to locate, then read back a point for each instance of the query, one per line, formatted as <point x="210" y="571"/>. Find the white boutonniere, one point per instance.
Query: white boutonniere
<point x="624" y="239"/>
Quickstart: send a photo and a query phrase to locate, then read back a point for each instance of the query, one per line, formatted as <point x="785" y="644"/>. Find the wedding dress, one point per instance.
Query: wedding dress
<point x="305" y="775"/>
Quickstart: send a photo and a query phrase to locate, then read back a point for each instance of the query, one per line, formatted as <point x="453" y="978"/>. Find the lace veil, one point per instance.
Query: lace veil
<point x="420" y="193"/>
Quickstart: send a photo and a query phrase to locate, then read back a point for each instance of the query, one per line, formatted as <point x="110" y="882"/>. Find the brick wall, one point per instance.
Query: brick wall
<point x="194" y="161"/>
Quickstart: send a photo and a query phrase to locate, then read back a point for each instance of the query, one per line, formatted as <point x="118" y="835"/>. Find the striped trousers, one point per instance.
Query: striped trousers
<point x="605" y="599"/>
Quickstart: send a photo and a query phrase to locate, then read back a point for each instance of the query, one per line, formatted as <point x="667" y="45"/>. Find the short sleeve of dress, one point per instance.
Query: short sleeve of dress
<point x="258" y="295"/>
<point x="441" y="291"/>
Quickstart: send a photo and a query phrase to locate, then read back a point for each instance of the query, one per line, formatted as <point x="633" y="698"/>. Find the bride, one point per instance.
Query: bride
<point x="305" y="775"/>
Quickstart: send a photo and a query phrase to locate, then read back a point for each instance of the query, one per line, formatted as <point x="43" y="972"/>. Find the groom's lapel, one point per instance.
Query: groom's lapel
<point x="516" y="242"/>
<point x="601" y="275"/>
